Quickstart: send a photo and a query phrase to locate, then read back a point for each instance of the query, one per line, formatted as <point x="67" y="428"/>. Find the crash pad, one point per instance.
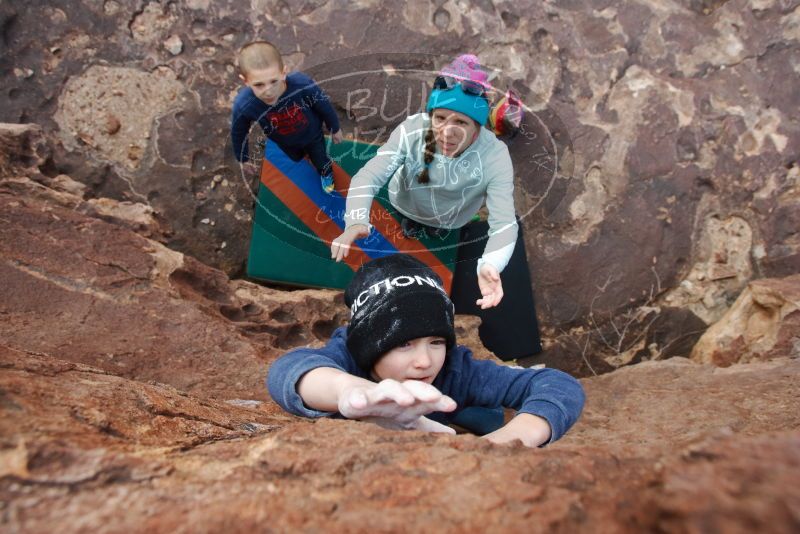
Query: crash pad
<point x="295" y="222"/>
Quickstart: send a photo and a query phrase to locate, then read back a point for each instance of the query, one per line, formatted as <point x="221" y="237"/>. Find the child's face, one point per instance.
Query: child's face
<point x="453" y="131"/>
<point x="418" y="359"/>
<point x="267" y="84"/>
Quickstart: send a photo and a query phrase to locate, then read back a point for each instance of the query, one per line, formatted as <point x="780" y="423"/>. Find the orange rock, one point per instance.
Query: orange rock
<point x="763" y="323"/>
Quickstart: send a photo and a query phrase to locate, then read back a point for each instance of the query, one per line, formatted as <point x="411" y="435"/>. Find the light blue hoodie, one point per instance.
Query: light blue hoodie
<point x="457" y="188"/>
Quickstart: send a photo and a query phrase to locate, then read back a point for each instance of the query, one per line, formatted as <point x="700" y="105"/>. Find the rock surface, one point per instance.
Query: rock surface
<point x="131" y="374"/>
<point x="97" y="293"/>
<point x="85" y="450"/>
<point x="763" y="323"/>
<point x="131" y="399"/>
<point x="23" y="149"/>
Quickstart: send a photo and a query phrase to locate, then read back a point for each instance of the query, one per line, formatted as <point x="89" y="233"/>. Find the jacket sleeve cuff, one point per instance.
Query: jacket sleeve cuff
<point x="497" y="258"/>
<point x="357" y="216"/>
<point x="551" y="413"/>
<point x="291" y="398"/>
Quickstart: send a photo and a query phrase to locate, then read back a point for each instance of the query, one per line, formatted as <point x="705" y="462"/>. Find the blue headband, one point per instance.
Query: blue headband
<point x="473" y="106"/>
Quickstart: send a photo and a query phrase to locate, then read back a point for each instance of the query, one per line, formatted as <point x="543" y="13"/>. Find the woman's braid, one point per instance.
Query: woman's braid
<point x="430" y="148"/>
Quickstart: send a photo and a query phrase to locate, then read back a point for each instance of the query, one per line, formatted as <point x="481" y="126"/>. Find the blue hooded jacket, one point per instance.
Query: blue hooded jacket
<point x="547" y="393"/>
<point x="295" y="120"/>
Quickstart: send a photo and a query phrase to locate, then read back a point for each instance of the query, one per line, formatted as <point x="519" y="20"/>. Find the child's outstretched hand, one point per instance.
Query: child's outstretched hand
<point x="398" y="405"/>
<point x="337" y="137"/>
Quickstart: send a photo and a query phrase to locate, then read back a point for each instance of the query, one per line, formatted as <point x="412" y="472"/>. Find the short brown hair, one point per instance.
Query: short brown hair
<point x="259" y="55"/>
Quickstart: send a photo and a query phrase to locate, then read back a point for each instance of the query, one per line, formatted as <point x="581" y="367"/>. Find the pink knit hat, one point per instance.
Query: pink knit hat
<point x="466" y="67"/>
<point x="462" y="97"/>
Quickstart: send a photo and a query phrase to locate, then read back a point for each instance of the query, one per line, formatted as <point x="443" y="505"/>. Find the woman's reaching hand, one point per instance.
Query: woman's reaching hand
<point x="491" y="286"/>
<point x="340" y="247"/>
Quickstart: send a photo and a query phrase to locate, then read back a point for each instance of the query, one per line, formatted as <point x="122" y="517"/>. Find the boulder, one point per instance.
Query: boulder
<point x="657" y="169"/>
<point x="83" y="449"/>
<point x="657" y="407"/>
<point x="93" y="291"/>
<point x="659" y="150"/>
<point x="763" y="323"/>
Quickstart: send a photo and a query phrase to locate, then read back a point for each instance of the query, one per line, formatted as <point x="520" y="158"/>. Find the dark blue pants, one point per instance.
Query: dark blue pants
<point x="316" y="152"/>
<point x="478" y="420"/>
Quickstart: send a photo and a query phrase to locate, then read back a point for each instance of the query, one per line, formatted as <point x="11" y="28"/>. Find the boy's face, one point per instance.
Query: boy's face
<point x="418" y="359"/>
<point x="267" y="84"/>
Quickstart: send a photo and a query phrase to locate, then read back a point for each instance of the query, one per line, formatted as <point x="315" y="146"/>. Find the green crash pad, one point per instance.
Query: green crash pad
<point x="295" y="222"/>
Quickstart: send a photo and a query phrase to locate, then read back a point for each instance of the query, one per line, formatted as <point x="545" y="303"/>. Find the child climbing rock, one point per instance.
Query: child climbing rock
<point x="397" y="364"/>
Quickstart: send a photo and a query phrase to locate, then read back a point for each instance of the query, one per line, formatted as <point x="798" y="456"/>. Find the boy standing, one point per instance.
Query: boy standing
<point x="289" y="107"/>
<point x="397" y="362"/>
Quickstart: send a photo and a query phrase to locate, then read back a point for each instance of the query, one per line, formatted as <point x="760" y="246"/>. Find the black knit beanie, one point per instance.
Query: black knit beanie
<point x="392" y="300"/>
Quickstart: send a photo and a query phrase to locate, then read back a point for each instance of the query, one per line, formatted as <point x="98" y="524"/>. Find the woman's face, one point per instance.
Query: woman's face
<point x="453" y="131"/>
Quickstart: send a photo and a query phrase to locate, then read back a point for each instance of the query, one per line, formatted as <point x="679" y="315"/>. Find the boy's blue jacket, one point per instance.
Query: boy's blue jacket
<point x="294" y="120"/>
<point x="548" y="393"/>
